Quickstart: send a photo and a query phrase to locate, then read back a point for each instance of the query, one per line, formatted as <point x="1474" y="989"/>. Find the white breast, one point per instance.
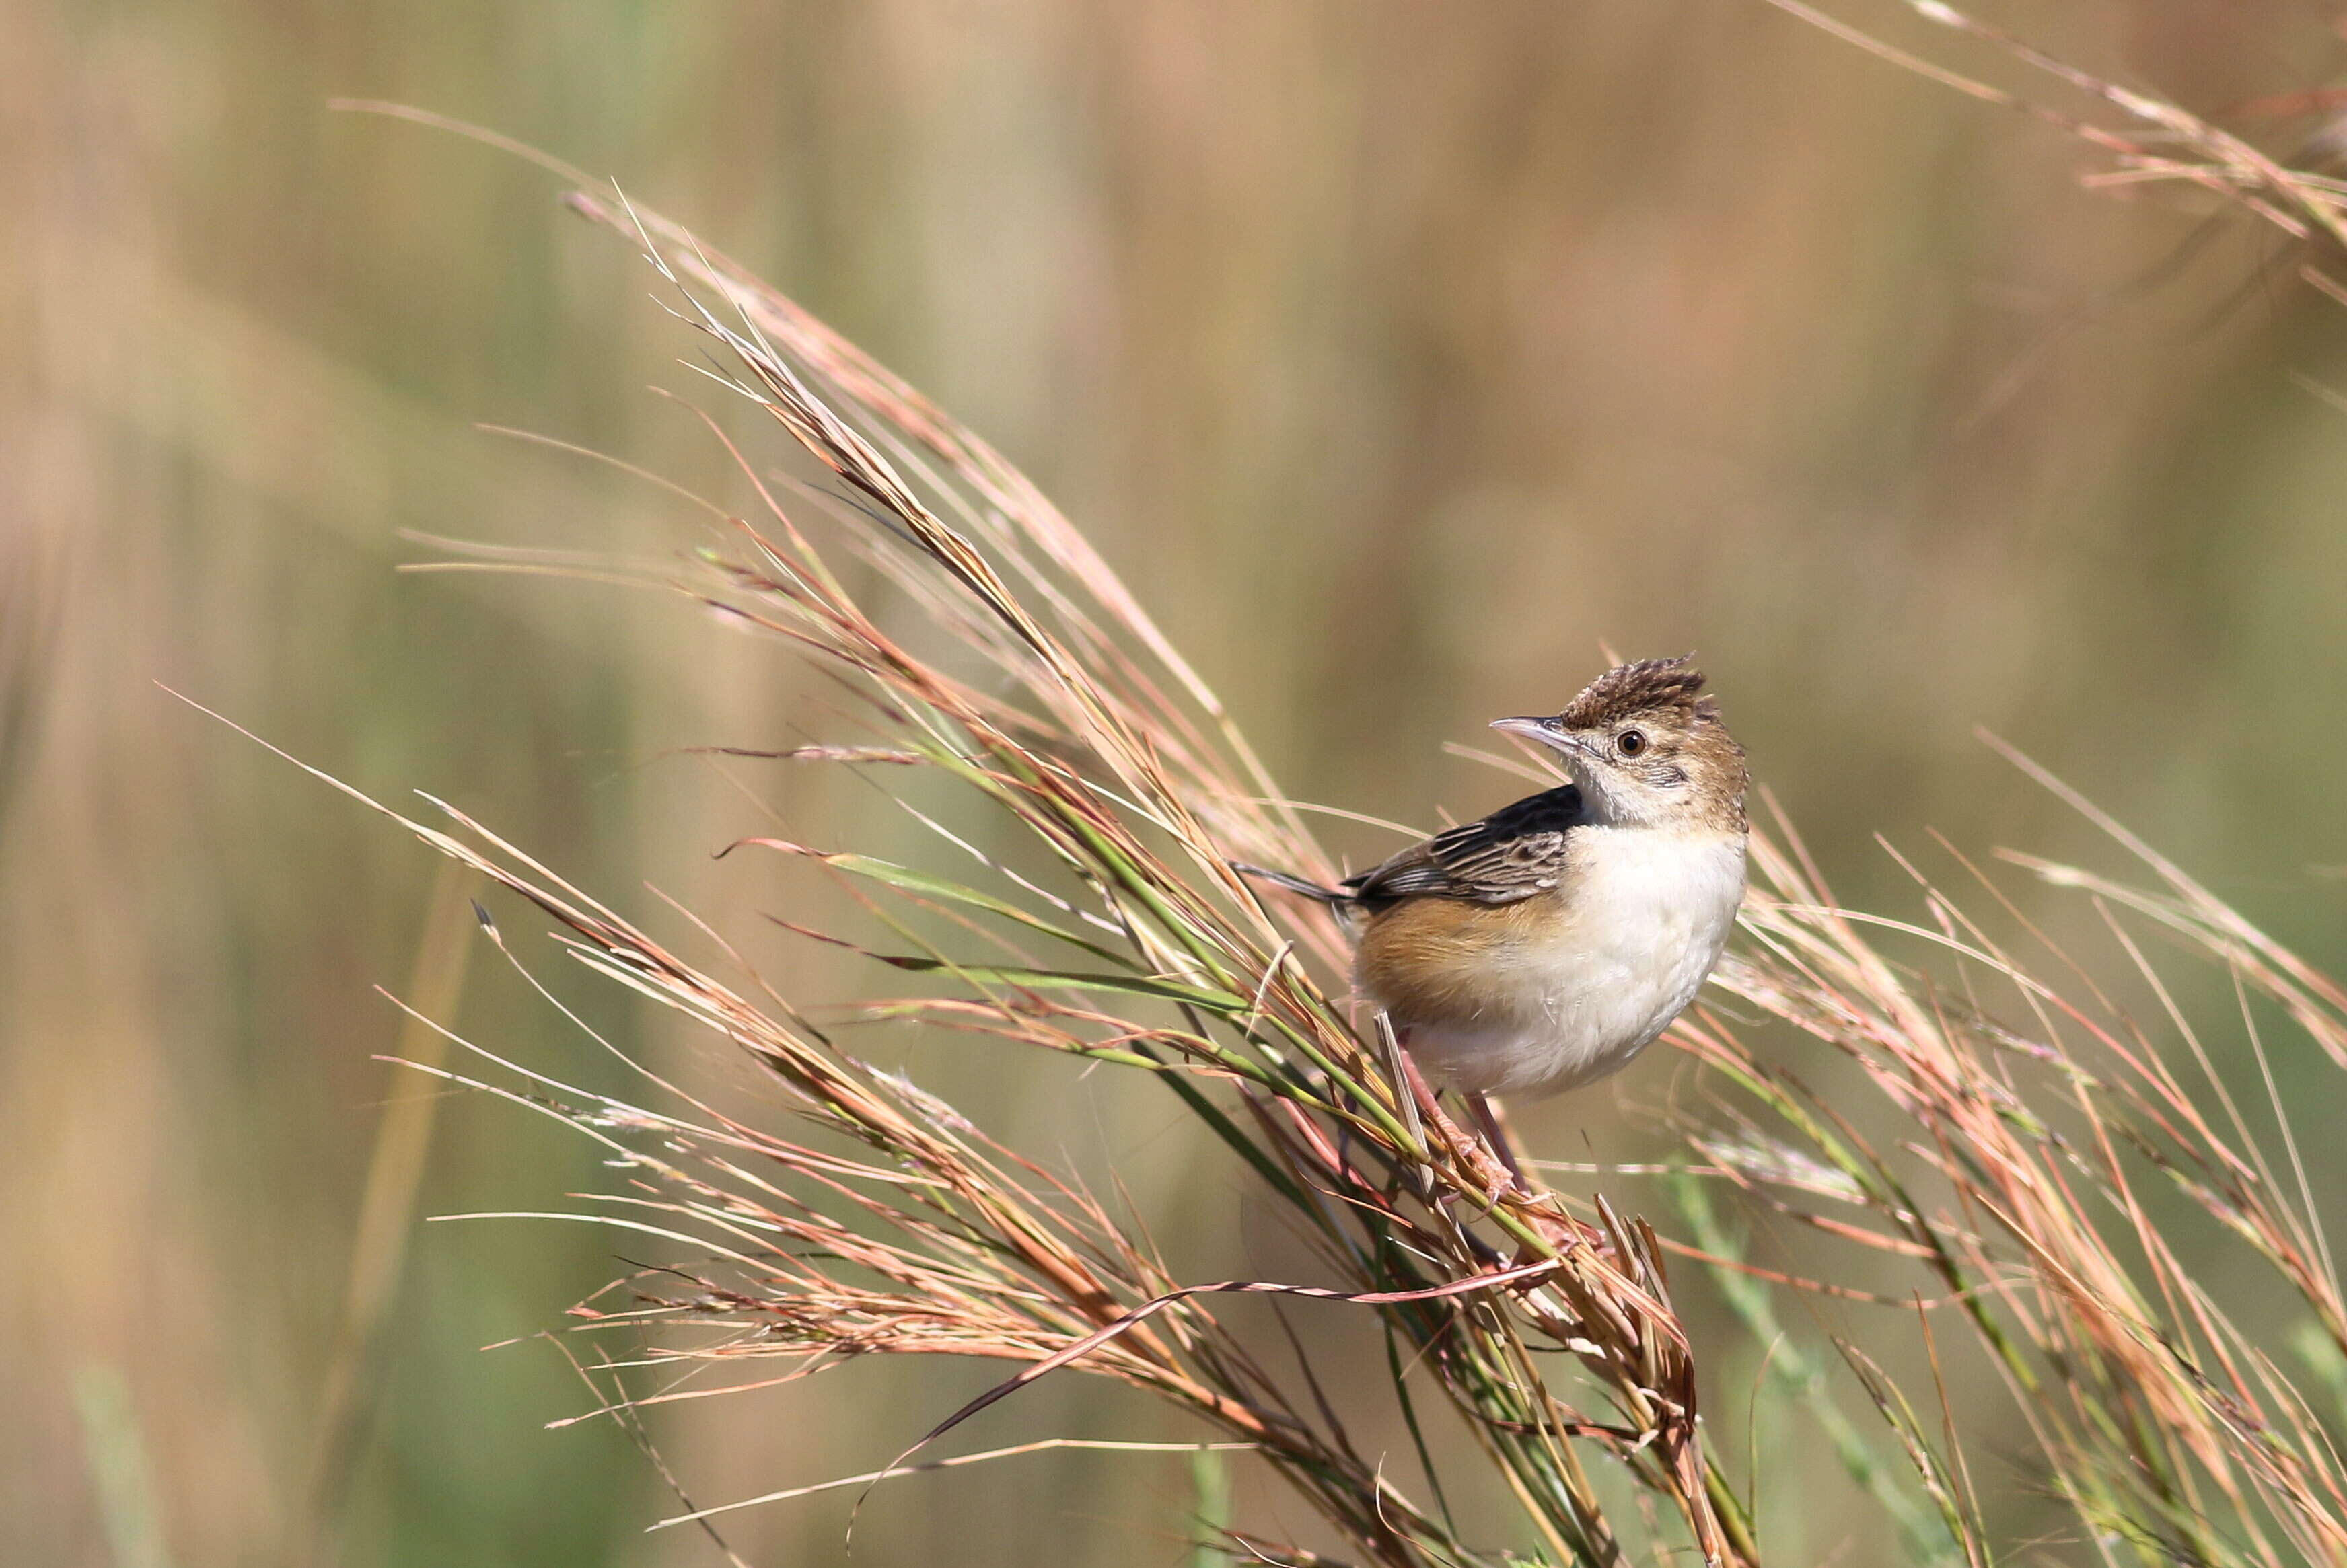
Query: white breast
<point x="1651" y="912"/>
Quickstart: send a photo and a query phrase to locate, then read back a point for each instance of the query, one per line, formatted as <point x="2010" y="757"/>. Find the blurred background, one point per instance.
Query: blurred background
<point x="1400" y="354"/>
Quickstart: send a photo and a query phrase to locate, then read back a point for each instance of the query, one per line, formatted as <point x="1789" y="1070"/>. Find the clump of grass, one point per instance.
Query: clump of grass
<point x="2041" y="1137"/>
<point x="2005" y="1146"/>
<point x="890" y="1224"/>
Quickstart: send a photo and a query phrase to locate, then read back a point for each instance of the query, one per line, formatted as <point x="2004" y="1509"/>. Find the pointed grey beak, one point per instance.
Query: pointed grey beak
<point x="1547" y="731"/>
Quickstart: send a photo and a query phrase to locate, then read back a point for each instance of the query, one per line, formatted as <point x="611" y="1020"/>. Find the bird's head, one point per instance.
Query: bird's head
<point x="1648" y="749"/>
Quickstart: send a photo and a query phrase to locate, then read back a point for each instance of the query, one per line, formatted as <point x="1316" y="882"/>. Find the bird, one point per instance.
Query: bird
<point x="1543" y="947"/>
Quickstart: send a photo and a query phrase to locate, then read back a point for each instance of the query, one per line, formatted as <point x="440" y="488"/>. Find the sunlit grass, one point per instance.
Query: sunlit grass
<point x="1989" y="1158"/>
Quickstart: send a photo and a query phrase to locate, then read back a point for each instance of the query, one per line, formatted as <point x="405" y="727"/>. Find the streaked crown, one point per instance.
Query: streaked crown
<point x="1650" y="689"/>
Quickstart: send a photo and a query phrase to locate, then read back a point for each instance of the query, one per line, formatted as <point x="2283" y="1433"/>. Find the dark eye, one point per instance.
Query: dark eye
<point x="1630" y="742"/>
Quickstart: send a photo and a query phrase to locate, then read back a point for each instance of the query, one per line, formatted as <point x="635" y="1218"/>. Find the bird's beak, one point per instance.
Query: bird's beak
<point x="1547" y="731"/>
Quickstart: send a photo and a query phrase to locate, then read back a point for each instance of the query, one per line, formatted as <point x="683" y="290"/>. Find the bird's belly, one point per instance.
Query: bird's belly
<point x="1561" y="1020"/>
<point x="1569" y="1001"/>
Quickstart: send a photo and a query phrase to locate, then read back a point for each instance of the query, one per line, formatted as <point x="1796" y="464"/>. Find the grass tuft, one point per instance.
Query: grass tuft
<point x="2005" y="1160"/>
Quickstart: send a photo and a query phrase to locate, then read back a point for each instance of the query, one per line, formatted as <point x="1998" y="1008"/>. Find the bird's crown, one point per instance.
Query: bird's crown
<point x="1652" y="687"/>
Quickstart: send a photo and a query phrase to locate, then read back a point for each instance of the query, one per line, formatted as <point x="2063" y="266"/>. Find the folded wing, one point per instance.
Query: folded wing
<point x="1512" y="854"/>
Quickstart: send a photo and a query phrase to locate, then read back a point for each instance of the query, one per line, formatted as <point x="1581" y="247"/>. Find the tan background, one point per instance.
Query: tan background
<point x="1400" y="352"/>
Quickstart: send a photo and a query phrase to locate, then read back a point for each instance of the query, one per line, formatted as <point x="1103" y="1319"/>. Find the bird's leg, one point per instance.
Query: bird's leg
<point x="1487" y="1122"/>
<point x="1489" y="1175"/>
<point x="1546" y="1215"/>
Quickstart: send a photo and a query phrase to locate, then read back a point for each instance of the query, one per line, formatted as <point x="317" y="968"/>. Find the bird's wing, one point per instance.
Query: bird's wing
<point x="1516" y="852"/>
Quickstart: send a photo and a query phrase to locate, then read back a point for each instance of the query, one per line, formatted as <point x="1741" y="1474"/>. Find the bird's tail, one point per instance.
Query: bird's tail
<point x="1336" y="897"/>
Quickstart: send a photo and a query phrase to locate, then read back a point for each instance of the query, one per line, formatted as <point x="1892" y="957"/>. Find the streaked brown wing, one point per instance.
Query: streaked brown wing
<point x="1516" y="852"/>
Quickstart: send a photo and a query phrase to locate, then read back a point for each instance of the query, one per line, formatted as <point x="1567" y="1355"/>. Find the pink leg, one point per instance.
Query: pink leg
<point x="1495" y="1175"/>
<point x="1487" y="1122"/>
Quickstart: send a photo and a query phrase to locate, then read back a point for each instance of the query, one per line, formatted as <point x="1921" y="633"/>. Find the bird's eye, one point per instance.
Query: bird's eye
<point x="1630" y="742"/>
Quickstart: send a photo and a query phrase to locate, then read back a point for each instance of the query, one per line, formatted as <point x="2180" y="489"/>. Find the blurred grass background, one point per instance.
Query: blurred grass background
<point x="1398" y="353"/>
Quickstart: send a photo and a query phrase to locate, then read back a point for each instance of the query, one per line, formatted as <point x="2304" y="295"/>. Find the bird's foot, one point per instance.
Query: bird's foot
<point x="1486" y="1154"/>
<point x="1493" y="1180"/>
<point x="1487" y="1166"/>
<point x="1495" y="1138"/>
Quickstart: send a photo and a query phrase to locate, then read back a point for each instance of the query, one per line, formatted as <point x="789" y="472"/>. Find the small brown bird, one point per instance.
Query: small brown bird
<point x="1542" y="947"/>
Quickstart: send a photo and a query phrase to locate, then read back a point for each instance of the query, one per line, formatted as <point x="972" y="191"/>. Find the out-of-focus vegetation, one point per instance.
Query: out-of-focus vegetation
<point x="1398" y="355"/>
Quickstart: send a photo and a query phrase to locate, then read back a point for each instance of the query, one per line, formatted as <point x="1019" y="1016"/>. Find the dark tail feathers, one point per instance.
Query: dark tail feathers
<point x="1333" y="897"/>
